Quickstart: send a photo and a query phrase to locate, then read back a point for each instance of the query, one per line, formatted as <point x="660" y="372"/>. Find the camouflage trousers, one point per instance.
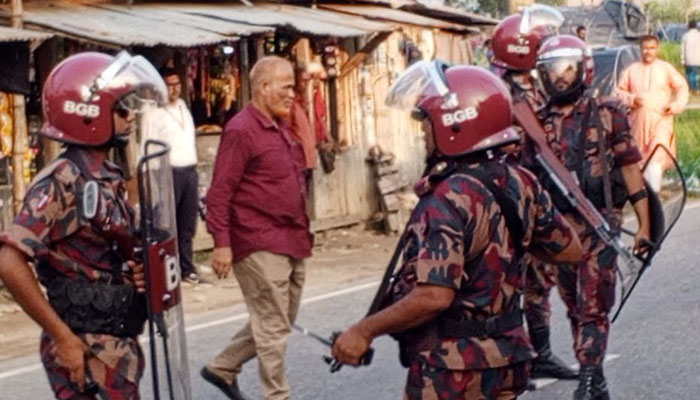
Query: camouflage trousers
<point x="426" y="382"/>
<point x="540" y="278"/>
<point x="114" y="364"/>
<point x="587" y="290"/>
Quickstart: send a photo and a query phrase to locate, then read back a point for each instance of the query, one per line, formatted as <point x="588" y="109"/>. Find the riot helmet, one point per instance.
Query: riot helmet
<point x="515" y="39"/>
<point x="468" y="108"/>
<point x="83" y="92"/>
<point x="565" y="68"/>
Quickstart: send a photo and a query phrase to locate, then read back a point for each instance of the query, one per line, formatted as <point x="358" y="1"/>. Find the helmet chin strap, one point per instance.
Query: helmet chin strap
<point x="119" y="141"/>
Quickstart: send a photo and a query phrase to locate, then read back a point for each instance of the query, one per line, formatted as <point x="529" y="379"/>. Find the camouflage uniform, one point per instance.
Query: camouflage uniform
<point x="590" y="306"/>
<point x="540" y="277"/>
<point x="50" y="231"/>
<point x="457" y="238"/>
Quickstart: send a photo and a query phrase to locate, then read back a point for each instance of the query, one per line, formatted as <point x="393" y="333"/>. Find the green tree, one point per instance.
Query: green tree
<point x="493" y="8"/>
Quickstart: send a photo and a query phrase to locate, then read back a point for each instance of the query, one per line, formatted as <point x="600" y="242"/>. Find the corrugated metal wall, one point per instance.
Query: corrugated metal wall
<point x="365" y="121"/>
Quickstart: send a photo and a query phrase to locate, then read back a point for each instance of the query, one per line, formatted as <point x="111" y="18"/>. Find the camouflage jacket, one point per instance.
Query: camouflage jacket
<point x="521" y="85"/>
<point x="50" y="231"/>
<point x="581" y="155"/>
<point x="457" y="238"/>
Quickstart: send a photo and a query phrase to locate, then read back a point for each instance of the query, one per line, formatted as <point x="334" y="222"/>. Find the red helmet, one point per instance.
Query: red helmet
<point x="517" y="37"/>
<point x="82" y="93"/>
<point x="565" y="67"/>
<point x="469" y="107"/>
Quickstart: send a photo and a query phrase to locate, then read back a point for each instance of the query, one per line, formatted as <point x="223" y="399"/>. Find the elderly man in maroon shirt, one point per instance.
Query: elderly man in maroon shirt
<point x="256" y="214"/>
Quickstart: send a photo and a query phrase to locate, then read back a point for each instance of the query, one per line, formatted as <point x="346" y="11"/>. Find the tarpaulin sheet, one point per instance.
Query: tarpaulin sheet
<point x="14" y="67"/>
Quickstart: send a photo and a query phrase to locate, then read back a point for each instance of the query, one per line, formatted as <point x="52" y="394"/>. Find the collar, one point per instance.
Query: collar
<point x="261" y="118"/>
<point x="99" y="170"/>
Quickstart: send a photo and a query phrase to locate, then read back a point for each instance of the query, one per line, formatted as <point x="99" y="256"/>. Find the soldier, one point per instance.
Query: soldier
<point x="77" y="229"/>
<point x="455" y="303"/>
<point x="608" y="175"/>
<point x="516" y="52"/>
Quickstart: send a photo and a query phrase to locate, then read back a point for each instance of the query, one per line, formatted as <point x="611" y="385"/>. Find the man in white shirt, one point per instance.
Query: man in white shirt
<point x="173" y="125"/>
<point x="690" y="55"/>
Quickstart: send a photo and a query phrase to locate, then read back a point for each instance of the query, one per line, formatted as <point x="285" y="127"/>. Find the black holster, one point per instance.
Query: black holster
<point x="102" y="308"/>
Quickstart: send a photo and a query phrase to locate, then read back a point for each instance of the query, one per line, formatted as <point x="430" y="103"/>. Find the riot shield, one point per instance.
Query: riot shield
<point x="666" y="202"/>
<point x="169" y="366"/>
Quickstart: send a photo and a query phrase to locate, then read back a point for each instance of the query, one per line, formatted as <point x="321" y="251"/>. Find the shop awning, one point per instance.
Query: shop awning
<point x="8" y="34"/>
<point x="117" y="28"/>
<point x="164" y="14"/>
<point x="313" y="22"/>
<point x="15" y="45"/>
<point x="389" y="14"/>
<point x="434" y="9"/>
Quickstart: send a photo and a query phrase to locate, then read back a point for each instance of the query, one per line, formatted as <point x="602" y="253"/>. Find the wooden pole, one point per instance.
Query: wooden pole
<point x="19" y="116"/>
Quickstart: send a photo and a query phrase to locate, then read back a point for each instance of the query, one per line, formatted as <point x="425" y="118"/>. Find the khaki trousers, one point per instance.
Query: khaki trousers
<point x="271" y="286"/>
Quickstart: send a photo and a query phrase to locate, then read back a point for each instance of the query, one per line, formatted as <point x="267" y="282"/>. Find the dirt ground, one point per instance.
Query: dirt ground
<point x="340" y="258"/>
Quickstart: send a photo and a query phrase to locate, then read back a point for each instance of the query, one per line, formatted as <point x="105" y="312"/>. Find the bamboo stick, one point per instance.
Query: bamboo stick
<point x="19" y="116"/>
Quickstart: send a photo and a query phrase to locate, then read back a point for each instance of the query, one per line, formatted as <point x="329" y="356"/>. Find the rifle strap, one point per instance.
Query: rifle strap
<point x="509" y="208"/>
<point x="388" y="278"/>
<point x="602" y="154"/>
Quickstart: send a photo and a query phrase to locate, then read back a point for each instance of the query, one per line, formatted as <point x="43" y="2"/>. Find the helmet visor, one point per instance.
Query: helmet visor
<point x="540" y="15"/>
<point x="420" y="80"/>
<point x="135" y="79"/>
<point x="560" y="74"/>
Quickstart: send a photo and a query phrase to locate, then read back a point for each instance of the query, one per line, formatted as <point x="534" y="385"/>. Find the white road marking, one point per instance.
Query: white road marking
<point x="20" y="371"/>
<point x="206" y="325"/>
<point x="540" y="382"/>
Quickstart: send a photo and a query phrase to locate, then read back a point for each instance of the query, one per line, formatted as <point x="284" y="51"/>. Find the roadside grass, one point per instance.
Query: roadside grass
<point x="671" y="52"/>
<point x="688" y="140"/>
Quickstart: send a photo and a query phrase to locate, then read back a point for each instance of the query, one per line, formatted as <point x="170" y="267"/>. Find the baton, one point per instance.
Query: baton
<point x="313" y="335"/>
<point x="365" y="359"/>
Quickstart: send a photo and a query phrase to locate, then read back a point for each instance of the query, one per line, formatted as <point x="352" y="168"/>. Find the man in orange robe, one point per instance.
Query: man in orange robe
<point x="655" y="92"/>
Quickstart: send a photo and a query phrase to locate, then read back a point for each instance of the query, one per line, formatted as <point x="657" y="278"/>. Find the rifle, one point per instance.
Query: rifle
<point x="631" y="268"/>
<point x="565" y="182"/>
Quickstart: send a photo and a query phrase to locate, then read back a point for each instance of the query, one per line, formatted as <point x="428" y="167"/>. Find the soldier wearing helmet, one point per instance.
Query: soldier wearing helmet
<point x="592" y="139"/>
<point x="454" y="305"/>
<point x="78" y="230"/>
<point x="516" y="41"/>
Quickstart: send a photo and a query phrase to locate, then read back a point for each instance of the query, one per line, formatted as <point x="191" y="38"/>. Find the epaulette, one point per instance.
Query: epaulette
<point x="61" y="170"/>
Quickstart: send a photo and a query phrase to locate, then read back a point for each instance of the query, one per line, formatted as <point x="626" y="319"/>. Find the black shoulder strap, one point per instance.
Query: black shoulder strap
<point x="602" y="155"/>
<point x="508" y="207"/>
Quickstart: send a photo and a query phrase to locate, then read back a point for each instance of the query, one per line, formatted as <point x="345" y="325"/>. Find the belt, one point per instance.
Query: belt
<point x="494" y="326"/>
<point x="185" y="167"/>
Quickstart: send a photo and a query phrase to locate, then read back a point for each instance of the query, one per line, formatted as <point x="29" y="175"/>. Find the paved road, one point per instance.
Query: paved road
<point x="653" y="350"/>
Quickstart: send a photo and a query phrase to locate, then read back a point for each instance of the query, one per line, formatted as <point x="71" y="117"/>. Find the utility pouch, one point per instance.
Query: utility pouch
<point x="93" y="307"/>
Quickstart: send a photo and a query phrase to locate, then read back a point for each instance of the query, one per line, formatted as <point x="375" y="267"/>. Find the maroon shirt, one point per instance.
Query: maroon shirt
<point x="257" y="198"/>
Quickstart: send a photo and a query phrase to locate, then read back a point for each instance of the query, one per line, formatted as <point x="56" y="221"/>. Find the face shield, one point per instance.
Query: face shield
<point x="133" y="80"/>
<point x="540" y="16"/>
<point x="421" y="80"/>
<point x="561" y="71"/>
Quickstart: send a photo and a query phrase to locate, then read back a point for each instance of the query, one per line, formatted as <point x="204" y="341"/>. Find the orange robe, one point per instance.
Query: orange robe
<point x="660" y="86"/>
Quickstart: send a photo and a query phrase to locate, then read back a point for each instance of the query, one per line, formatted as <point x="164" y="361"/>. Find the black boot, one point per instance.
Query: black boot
<point x="547" y="365"/>
<point x="586" y="376"/>
<point x="600" y="385"/>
